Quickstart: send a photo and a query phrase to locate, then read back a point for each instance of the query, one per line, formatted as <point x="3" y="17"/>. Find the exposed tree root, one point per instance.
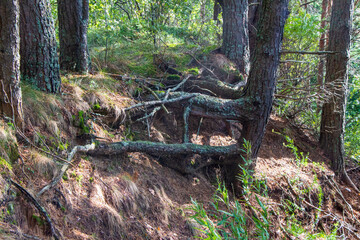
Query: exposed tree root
<point x="40" y="208"/>
<point x="210" y="86"/>
<point x="347" y="180"/>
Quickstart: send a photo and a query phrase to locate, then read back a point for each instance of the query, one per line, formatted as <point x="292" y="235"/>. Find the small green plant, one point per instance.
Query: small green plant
<point x="79" y="179"/>
<point x="173" y="77"/>
<point x="4" y="164"/>
<point x="246" y="177"/>
<point x="300" y="157"/>
<point x="129" y="134"/>
<point x="11" y="125"/>
<point x="218" y="224"/>
<point x="85" y="129"/>
<point x="38" y="220"/>
<point x="193" y="71"/>
<point x="96" y="106"/>
<point x="63" y="209"/>
<point x="65" y="177"/>
<point x="227" y="219"/>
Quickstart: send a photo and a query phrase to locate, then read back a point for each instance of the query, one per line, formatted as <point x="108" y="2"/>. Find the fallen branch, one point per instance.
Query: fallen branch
<point x="307" y="52"/>
<point x="176" y="87"/>
<point x="37" y="148"/>
<point x="157" y="102"/>
<point x="345" y="224"/>
<point x="20" y="234"/>
<point x="214" y="86"/>
<point x="162" y="149"/>
<point x="66" y="166"/>
<point x="307" y="3"/>
<point x="40" y="208"/>
<point x="155" y="110"/>
<point x="157" y="97"/>
<point x="353" y="169"/>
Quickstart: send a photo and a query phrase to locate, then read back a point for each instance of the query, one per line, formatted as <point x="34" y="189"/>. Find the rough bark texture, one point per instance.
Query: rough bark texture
<point x="235" y="34"/>
<point x="333" y="112"/>
<point x="38" y="50"/>
<point x="10" y="95"/>
<point x="73" y="23"/>
<point x="254" y="15"/>
<point x="324" y="13"/>
<point x="262" y="79"/>
<point x="162" y="149"/>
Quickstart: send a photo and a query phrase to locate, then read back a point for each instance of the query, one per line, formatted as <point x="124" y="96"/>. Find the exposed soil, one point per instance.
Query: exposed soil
<point x="134" y="197"/>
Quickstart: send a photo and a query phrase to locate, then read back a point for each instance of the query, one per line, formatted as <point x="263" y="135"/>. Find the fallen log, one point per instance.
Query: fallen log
<point x="162" y="149"/>
<point x="175" y="156"/>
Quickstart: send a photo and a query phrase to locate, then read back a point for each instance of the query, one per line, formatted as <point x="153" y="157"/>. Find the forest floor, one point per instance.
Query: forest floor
<point x="133" y="196"/>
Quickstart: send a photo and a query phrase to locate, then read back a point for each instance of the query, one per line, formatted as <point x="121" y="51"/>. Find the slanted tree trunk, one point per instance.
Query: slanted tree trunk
<point x="10" y="94"/>
<point x="252" y="108"/>
<point x="73" y="22"/>
<point x="38" y="50"/>
<point x="336" y="80"/>
<point x="262" y="79"/>
<point x="235" y="34"/>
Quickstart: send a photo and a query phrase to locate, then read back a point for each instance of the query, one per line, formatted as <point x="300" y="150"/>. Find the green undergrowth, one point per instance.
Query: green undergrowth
<point x="9" y="152"/>
<point x="98" y="82"/>
<point x="252" y="216"/>
<point x="136" y="57"/>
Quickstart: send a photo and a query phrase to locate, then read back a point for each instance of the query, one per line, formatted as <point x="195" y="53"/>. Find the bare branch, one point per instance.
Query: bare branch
<point x="307" y="52"/>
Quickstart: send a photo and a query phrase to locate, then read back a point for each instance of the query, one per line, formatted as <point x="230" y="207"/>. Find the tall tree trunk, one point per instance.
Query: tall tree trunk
<point x="324" y="13"/>
<point x="10" y="95"/>
<point x="262" y="79"/>
<point x="38" y="50"/>
<point x="254" y="15"/>
<point x="235" y="34"/>
<point x="336" y="79"/>
<point x="73" y="22"/>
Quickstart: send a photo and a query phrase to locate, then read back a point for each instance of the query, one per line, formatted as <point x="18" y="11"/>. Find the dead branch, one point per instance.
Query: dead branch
<point x="20" y="234"/>
<point x="162" y="149"/>
<point x="156" y="96"/>
<point x="39" y="207"/>
<point x="37" y="148"/>
<point x="157" y="102"/>
<point x="214" y="86"/>
<point x="307" y="3"/>
<point x="176" y="87"/>
<point x="66" y="166"/>
<point x="206" y="68"/>
<point x="307" y="52"/>
<point x="353" y="169"/>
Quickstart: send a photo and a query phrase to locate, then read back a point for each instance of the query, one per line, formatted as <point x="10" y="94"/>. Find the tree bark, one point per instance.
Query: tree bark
<point x="73" y="22"/>
<point x="235" y="34"/>
<point x="333" y="112"/>
<point x="10" y="95"/>
<point x="262" y="79"/>
<point x="38" y="50"/>
<point x="322" y="42"/>
<point x="254" y="15"/>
